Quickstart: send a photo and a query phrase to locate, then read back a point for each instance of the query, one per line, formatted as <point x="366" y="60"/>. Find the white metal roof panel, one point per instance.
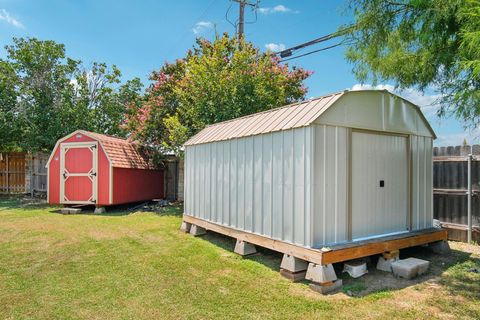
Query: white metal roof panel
<point x="302" y="114"/>
<point x="288" y="117"/>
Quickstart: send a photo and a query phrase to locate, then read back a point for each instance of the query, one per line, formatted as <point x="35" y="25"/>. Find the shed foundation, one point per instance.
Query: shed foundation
<point x="197" y="230"/>
<point x="244" y="248"/>
<point x="410" y="268"/>
<point x="440" y="247"/>
<point x="320" y="273"/>
<point x="185" y="227"/>
<point x="292" y="264"/>
<point x="99" y="210"/>
<point x="326" y="288"/>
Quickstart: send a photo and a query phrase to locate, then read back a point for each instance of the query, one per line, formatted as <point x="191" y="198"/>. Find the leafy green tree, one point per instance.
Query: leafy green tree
<point x="216" y="81"/>
<point x="45" y="95"/>
<point x="423" y="44"/>
<point x="9" y="129"/>
<point x="42" y="79"/>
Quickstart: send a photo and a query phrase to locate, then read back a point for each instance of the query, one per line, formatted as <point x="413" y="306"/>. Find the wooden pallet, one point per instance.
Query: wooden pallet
<point x="338" y="253"/>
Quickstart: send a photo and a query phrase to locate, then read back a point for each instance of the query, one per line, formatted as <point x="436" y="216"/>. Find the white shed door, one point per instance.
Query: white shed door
<point x="379" y="184"/>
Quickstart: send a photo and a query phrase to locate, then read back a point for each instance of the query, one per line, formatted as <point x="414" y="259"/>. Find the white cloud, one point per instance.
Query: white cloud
<point x="280" y="8"/>
<point x="275" y="47"/>
<point x="5" y="16"/>
<point x="202" y="26"/>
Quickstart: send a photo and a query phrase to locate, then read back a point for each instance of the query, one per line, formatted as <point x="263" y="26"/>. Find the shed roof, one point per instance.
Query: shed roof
<point x="121" y="152"/>
<point x="295" y="115"/>
<point x="287" y="117"/>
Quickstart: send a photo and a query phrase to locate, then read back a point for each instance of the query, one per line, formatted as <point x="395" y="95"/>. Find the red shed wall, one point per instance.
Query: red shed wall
<point x="132" y="185"/>
<point x="103" y="173"/>
<point x="54" y="178"/>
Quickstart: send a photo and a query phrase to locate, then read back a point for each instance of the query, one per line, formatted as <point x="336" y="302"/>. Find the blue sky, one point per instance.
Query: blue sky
<point x="138" y="36"/>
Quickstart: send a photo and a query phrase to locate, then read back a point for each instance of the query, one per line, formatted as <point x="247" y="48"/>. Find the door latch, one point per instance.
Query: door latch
<point x="382" y="183"/>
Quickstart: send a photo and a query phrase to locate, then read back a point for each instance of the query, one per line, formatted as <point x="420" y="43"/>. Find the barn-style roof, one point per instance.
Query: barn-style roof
<point x="121" y="152"/>
<point x="288" y="117"/>
<point x="292" y="116"/>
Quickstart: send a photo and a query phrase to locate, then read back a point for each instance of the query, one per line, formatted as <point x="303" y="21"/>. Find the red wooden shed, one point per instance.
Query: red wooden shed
<point x="92" y="168"/>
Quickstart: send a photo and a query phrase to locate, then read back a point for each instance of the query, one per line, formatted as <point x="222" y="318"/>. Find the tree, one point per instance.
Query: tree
<point x="45" y="95"/>
<point x="216" y="81"/>
<point x="423" y="44"/>
<point x="9" y="129"/>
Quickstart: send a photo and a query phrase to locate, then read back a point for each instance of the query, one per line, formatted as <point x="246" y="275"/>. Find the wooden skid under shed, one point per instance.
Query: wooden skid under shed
<point x="338" y="253"/>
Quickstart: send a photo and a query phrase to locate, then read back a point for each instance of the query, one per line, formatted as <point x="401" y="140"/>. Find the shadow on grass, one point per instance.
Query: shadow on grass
<point x="22" y="202"/>
<point x="455" y="271"/>
<point x="268" y="258"/>
<point x="175" y="209"/>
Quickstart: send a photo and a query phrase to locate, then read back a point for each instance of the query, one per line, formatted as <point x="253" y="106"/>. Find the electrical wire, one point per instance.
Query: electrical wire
<point x="314" y="51"/>
<point x="324" y="38"/>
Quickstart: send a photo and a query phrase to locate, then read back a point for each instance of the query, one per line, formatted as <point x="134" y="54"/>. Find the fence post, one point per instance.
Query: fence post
<point x="7" y="175"/>
<point x="469" y="199"/>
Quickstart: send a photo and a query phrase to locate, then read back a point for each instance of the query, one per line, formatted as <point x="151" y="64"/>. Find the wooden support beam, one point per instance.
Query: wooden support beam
<point x="307" y="254"/>
<point x="381" y="245"/>
<point x="340" y="253"/>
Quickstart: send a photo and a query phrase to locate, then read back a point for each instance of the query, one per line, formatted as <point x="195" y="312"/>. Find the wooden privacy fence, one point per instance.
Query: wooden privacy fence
<point x="23" y="172"/>
<point x="173" y="178"/>
<point x="12" y="172"/>
<point x="451" y="190"/>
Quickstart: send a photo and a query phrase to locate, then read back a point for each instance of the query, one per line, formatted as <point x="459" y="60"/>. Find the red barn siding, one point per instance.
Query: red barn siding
<point x="103" y="178"/>
<point x="132" y="185"/>
<point x="53" y="184"/>
<point x="139" y="182"/>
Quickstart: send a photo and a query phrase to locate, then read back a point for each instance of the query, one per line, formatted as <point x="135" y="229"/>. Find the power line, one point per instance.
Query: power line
<point x="314" y="51"/>
<point x="288" y="52"/>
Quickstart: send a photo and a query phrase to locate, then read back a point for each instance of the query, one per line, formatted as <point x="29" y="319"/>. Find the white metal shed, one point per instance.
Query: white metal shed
<point x="348" y="166"/>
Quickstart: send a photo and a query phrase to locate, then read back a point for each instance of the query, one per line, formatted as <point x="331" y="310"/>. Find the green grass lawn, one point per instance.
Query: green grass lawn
<point x="140" y="266"/>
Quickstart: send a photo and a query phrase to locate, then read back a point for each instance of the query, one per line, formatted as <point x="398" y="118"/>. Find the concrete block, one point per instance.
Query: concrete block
<point x="355" y="268"/>
<point x="410" y="268"/>
<point x="197" y="231"/>
<point x="440" y="247"/>
<point x="99" y="210"/>
<point x="293" y="264"/>
<point x="293" y="276"/>
<point x="244" y="248"/>
<point x="326" y="288"/>
<point x="385" y="264"/>
<point x="70" y="210"/>
<point x="185" y="227"/>
<point x="320" y="274"/>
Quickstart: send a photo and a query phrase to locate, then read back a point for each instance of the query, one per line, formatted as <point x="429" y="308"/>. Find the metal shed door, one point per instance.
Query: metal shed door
<point x="78" y="173"/>
<point x="379" y="184"/>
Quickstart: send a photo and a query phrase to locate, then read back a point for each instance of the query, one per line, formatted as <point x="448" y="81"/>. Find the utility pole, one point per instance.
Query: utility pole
<point x="241" y="19"/>
<point x="241" y="15"/>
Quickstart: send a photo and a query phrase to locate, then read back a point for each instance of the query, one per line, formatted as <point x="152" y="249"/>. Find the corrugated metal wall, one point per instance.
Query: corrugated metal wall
<point x="330" y="185"/>
<point x="264" y="184"/>
<point x="422" y="184"/>
<point x="259" y="184"/>
<point x="379" y="209"/>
